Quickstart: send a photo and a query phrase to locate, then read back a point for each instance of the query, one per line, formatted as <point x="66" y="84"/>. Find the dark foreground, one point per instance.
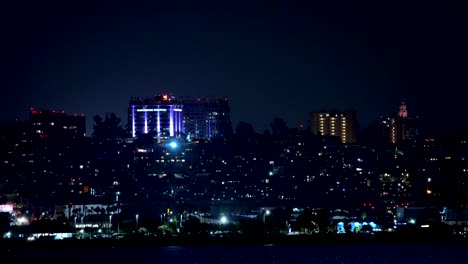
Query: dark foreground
<point x="137" y="253"/>
<point x="327" y="239"/>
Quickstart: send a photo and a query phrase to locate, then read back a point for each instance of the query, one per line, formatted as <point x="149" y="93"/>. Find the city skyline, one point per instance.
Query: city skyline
<point x="270" y="58"/>
<point x="248" y="123"/>
<point x="307" y="124"/>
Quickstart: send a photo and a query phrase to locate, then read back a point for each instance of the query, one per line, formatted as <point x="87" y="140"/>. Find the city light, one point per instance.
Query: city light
<point x="223" y="220"/>
<point x="22" y="221"/>
<point x="173" y="145"/>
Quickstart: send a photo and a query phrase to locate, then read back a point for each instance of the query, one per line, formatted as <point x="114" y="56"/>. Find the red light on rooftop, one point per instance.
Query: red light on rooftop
<point x="63" y="112"/>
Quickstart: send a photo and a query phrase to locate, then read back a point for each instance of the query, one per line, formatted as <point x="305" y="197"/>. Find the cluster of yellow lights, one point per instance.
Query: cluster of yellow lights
<point x="333" y="122"/>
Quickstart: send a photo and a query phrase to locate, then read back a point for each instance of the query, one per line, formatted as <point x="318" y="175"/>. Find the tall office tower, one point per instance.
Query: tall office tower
<point x="57" y="125"/>
<point x="389" y="125"/>
<point x="160" y="115"/>
<point x="402" y="113"/>
<point x="335" y="123"/>
<point x="207" y="117"/>
<point x="400" y="127"/>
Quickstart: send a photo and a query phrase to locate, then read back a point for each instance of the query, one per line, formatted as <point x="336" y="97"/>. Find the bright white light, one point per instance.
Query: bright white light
<point x="173" y="144"/>
<point x="411" y="221"/>
<point x="223" y="220"/>
<point x="22" y="220"/>
<point x="267" y="212"/>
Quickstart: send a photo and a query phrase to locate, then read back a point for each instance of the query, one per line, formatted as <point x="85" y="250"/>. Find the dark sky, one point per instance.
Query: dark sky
<point x="271" y="58"/>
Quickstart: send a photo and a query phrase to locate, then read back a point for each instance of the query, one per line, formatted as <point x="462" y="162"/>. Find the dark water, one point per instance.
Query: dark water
<point x="358" y="254"/>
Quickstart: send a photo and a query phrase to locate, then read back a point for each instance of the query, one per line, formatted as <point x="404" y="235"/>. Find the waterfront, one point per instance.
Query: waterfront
<point x="327" y="253"/>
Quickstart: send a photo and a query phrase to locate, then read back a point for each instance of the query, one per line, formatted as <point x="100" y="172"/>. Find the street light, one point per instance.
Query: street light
<point x="223" y="220"/>
<point x="136" y="221"/>
<point x="267" y="212"/>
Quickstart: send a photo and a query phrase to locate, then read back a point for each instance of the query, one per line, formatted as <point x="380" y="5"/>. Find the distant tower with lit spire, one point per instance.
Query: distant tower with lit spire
<point x="403" y="113"/>
<point x="400" y="127"/>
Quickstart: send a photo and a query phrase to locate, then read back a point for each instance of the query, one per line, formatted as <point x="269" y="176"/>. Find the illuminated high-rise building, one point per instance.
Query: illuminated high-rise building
<point x="160" y="115"/>
<point x="399" y="127"/>
<point x="335" y="123"/>
<point x="207" y="117"/>
<point x="166" y="116"/>
<point x="57" y="124"/>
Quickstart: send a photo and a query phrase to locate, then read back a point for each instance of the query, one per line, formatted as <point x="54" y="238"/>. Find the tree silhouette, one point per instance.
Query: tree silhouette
<point x="280" y="218"/>
<point x="109" y="127"/>
<point x="323" y="220"/>
<point x="306" y="222"/>
<point x="244" y="129"/>
<point x="97" y="210"/>
<point x="279" y="127"/>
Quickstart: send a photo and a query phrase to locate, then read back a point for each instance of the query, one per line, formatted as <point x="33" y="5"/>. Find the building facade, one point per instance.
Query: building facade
<point x="207" y="117"/>
<point x="166" y="116"/>
<point x="51" y="123"/>
<point x="160" y="115"/>
<point x="399" y="128"/>
<point x="335" y="123"/>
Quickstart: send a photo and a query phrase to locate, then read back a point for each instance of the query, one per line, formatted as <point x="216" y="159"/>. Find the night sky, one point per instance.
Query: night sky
<point x="271" y="58"/>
